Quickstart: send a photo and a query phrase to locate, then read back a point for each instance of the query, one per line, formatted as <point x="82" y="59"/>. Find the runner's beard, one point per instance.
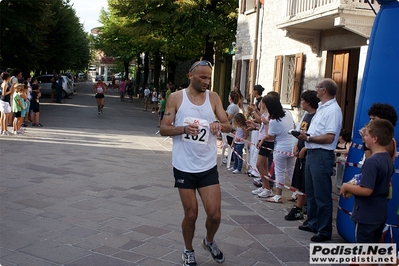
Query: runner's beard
<point x="201" y="88"/>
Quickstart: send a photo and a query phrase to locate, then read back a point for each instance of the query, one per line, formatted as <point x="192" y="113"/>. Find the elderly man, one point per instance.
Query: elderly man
<point x="321" y="140"/>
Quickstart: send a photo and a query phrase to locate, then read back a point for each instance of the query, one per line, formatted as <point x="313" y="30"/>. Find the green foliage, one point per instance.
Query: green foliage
<point x="178" y="29"/>
<point x="43" y="34"/>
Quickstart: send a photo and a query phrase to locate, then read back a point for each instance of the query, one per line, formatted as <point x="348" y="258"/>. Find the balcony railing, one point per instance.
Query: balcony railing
<point x="295" y="7"/>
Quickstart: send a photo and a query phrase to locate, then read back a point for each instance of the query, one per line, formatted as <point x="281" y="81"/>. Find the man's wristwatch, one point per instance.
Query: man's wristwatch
<point x="308" y="138"/>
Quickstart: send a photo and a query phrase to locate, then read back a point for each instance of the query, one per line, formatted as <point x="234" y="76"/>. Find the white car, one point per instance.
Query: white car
<point x="45" y="83"/>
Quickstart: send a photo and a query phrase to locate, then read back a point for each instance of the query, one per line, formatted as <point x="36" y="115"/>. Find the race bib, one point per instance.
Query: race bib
<point x="100" y="90"/>
<point x="203" y="126"/>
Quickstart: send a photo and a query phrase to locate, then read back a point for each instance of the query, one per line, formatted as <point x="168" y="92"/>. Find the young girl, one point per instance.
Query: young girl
<point x="155" y="101"/>
<point x="17" y="107"/>
<point x="24" y="102"/>
<point x="238" y="143"/>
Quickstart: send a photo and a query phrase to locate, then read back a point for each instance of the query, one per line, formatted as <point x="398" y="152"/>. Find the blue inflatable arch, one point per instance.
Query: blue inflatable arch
<point x="380" y="84"/>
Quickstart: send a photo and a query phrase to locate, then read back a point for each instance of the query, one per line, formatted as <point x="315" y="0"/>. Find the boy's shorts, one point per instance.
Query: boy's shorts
<point x="196" y="180"/>
<point x="368" y="233"/>
<point x="17" y="114"/>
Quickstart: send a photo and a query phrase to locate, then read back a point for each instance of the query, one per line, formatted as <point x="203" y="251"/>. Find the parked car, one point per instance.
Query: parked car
<point x="81" y="77"/>
<point x="72" y="79"/>
<point x="45" y="83"/>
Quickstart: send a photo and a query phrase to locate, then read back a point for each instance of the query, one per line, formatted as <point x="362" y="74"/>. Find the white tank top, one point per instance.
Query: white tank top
<point x="194" y="154"/>
<point x="99" y="89"/>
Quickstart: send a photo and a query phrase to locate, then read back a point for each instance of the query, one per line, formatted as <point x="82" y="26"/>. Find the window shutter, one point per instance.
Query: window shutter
<point x="238" y="74"/>
<point x="242" y="6"/>
<point x="278" y="68"/>
<point x="249" y="78"/>
<point x="296" y="86"/>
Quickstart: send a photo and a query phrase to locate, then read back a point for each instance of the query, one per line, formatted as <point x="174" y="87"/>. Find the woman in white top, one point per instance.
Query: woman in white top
<point x="231" y="111"/>
<point x="280" y="123"/>
<point x="233" y="108"/>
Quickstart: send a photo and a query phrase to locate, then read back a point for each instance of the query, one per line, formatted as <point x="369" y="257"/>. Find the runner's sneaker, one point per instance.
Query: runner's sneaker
<point x="189" y="258"/>
<point x="257" y="191"/>
<point x="266" y="193"/>
<point x="231" y="169"/>
<point x="294" y="214"/>
<point x="257" y="179"/>
<point x="236" y="171"/>
<point x="101" y="111"/>
<point x="217" y="255"/>
<point x="98" y="113"/>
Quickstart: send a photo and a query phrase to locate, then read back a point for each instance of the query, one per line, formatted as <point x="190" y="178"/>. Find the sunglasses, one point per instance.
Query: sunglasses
<point x="201" y="63"/>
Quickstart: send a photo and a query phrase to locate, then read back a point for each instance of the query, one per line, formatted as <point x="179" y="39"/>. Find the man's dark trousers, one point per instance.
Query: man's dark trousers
<point x="318" y="185"/>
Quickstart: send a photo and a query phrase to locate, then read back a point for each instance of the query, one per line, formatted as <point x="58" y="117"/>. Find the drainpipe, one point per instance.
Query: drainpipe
<point x="255" y="65"/>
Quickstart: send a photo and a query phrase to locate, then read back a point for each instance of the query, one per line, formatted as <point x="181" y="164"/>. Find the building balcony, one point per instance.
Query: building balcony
<point x="315" y="15"/>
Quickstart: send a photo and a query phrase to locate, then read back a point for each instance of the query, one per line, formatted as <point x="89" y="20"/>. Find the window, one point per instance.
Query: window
<point x="288" y="77"/>
<point x="247" y="5"/>
<point x="44" y="79"/>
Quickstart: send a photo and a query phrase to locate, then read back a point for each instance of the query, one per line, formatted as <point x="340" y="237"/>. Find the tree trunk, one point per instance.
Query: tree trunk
<point x="139" y="82"/>
<point x="209" y="51"/>
<point x="157" y="70"/>
<point x="146" y="68"/>
<point x="171" y="72"/>
<point x="126" y="66"/>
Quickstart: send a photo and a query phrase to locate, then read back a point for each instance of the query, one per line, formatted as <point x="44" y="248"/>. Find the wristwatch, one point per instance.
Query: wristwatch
<point x="307" y="138"/>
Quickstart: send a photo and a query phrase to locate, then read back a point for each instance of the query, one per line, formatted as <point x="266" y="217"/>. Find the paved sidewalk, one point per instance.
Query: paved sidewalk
<point x="94" y="190"/>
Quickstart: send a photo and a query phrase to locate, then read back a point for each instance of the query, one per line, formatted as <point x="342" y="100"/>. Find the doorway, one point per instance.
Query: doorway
<point x="344" y="69"/>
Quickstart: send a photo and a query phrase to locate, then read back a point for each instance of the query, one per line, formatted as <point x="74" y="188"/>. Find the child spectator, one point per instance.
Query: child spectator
<point x="341" y="152"/>
<point x="370" y="208"/>
<point x="17" y="107"/>
<point x="154" y="100"/>
<point x="25" y="105"/>
<point x="35" y="106"/>
<point x="239" y="122"/>
<point x="147" y="95"/>
<point x="344" y="143"/>
<point x="162" y="105"/>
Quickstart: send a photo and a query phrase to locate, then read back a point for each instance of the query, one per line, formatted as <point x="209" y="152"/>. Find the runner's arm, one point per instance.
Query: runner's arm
<point x="223" y="124"/>
<point x="167" y="128"/>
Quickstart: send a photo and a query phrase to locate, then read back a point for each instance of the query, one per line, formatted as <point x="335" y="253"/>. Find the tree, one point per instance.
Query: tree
<point x="68" y="42"/>
<point x="175" y="29"/>
<point x="24" y="27"/>
<point x="43" y="34"/>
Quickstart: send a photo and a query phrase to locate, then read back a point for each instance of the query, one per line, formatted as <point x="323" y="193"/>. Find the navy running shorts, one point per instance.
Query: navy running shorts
<point x="196" y="180"/>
